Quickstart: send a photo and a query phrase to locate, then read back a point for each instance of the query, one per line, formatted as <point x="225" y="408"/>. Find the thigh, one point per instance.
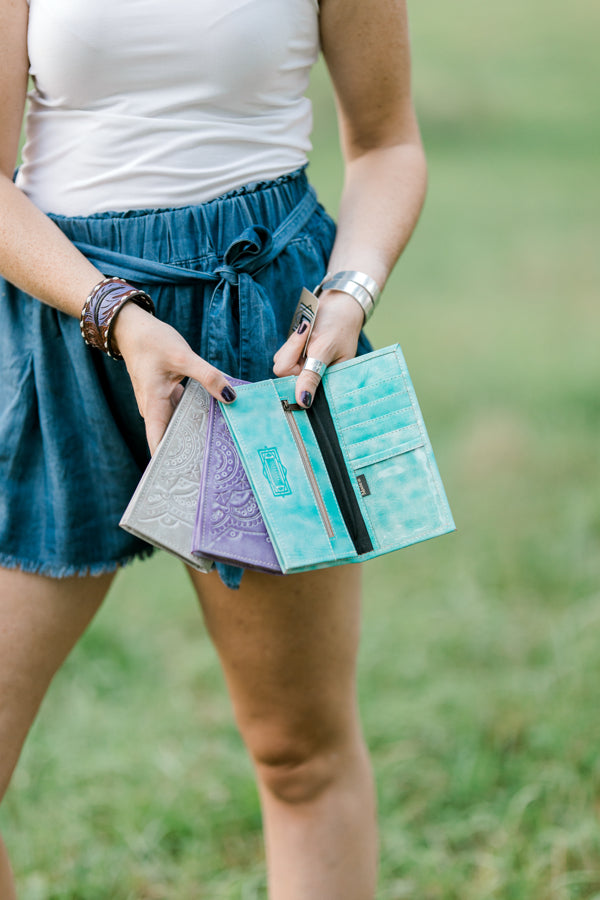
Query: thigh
<point x="288" y="646"/>
<point x="40" y="620"/>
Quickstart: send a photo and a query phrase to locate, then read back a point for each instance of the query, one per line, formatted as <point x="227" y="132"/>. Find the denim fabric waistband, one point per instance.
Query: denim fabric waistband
<point x="194" y="244"/>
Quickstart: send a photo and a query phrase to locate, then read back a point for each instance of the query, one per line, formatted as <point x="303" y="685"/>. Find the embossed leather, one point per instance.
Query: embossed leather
<point x="382" y="442"/>
<point x="162" y="510"/>
<point x="229" y="525"/>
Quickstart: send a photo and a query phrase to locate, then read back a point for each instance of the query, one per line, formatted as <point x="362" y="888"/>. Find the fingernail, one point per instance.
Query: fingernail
<point x="306" y="398"/>
<point x="228" y="394"/>
<point x="302" y="328"/>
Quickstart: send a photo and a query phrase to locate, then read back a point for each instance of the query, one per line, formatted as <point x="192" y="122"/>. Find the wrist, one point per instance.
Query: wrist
<point x="128" y="327"/>
<point x="363" y="289"/>
<point x="347" y="310"/>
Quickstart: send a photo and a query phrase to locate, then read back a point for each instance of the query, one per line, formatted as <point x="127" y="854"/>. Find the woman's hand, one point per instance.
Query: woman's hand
<point x="157" y="359"/>
<point x="334" y="339"/>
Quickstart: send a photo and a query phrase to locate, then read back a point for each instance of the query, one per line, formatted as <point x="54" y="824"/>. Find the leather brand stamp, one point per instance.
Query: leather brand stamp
<point x="274" y="471"/>
<point x="363" y="485"/>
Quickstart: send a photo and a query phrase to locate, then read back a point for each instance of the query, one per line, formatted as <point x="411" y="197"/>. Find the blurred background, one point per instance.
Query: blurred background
<point x="481" y="651"/>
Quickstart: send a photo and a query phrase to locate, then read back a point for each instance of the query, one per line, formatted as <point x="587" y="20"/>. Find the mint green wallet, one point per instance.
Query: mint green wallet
<point x="351" y="478"/>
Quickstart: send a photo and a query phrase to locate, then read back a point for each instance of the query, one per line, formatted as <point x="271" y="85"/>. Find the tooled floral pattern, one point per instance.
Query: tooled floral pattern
<point x="171" y="491"/>
<point x="234" y="511"/>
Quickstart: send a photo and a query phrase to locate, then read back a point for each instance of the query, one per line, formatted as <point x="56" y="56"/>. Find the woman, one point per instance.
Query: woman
<point x="198" y="111"/>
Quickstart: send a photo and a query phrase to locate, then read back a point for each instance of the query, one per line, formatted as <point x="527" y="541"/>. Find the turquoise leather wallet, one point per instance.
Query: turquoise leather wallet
<point x="351" y="478"/>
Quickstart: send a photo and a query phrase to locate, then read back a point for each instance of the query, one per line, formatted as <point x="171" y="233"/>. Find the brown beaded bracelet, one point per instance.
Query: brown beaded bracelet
<point x="101" y="308"/>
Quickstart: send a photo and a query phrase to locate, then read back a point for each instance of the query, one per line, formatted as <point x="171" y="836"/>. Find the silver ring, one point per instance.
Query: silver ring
<point x="315" y="365"/>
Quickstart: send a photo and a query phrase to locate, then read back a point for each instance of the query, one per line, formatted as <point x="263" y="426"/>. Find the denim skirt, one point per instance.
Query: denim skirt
<point x="226" y="274"/>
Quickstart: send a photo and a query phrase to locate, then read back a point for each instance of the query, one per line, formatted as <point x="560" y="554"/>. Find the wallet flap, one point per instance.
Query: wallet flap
<point x="385" y="443"/>
<point x="229" y="525"/>
<point x="305" y="524"/>
<point x="162" y="510"/>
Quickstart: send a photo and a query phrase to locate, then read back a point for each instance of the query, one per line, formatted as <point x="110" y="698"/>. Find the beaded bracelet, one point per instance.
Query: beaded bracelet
<point x="101" y="308"/>
<point x="358" y="285"/>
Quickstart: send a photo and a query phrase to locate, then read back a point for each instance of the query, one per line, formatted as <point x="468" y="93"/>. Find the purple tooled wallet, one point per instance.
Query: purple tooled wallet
<point x="229" y="526"/>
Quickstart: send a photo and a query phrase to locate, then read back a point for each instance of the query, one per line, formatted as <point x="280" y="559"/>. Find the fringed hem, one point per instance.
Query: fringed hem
<point x="32" y="567"/>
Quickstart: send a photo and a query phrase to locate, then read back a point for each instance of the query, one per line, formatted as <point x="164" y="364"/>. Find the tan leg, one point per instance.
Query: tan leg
<point x="40" y="621"/>
<point x="288" y="648"/>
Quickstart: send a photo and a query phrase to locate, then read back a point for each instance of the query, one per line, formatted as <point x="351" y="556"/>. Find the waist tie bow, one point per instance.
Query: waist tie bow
<point x="238" y="305"/>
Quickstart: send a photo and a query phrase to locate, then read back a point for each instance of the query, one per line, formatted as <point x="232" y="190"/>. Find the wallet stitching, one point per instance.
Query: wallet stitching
<point x="378" y="419"/>
<point x="372" y="459"/>
<point x="391" y="377"/>
<point x="246" y="559"/>
<point x="416" y="408"/>
<point x="441" y="506"/>
<point x="387" y="398"/>
<point x="420" y="422"/>
<point x="386" y="435"/>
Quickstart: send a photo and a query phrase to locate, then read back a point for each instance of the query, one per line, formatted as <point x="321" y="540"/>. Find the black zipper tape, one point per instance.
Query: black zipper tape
<point x="319" y="416"/>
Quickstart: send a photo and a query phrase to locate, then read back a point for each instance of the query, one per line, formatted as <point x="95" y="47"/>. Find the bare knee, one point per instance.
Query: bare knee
<point x="297" y="767"/>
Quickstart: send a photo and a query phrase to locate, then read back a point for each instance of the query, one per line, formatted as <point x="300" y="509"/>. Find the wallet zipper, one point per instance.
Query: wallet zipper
<point x="310" y="474"/>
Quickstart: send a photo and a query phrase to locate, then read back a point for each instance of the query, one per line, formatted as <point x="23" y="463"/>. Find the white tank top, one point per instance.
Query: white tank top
<point x="157" y="103"/>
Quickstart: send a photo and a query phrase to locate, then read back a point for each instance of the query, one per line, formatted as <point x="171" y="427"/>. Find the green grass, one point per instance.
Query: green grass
<point x="481" y="650"/>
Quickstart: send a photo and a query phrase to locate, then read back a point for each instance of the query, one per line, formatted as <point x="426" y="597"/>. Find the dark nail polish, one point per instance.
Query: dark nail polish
<point x="302" y="327"/>
<point x="306" y="398"/>
<point x="228" y="394"/>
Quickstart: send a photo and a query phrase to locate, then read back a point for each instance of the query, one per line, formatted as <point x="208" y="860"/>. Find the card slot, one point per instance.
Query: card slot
<point x="396" y="399"/>
<point x="369" y="393"/>
<point x="366" y="426"/>
<point x="394" y="438"/>
<point x="357" y="391"/>
<point x="401" y="498"/>
<point x="404" y="412"/>
<point x="362" y="460"/>
<point x="348" y="378"/>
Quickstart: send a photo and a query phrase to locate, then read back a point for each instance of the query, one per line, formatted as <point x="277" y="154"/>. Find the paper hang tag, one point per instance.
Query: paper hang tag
<point x="306" y="310"/>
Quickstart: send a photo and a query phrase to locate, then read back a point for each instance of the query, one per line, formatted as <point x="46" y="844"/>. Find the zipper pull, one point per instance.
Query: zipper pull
<point x="291" y="407"/>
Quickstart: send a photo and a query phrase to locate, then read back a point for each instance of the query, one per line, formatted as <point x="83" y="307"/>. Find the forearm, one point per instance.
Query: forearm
<point x="37" y="257"/>
<point x="383" y="194"/>
<point x="382" y="197"/>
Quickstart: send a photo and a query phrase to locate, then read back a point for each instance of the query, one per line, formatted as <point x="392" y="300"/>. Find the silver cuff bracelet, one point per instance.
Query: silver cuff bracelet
<point x="358" y="285"/>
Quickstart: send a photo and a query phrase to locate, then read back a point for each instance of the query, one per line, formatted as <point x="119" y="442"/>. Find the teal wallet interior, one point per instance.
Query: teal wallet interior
<point x="353" y="477"/>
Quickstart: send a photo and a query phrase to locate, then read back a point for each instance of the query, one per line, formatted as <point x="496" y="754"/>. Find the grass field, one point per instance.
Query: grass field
<point x="481" y="650"/>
